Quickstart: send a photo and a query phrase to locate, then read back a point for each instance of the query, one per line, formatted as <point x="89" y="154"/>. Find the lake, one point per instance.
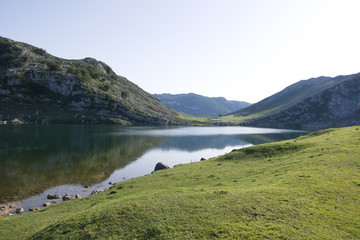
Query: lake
<point x="37" y="160"/>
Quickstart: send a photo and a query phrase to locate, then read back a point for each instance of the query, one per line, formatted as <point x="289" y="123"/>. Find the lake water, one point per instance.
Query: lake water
<point x="37" y="160"/>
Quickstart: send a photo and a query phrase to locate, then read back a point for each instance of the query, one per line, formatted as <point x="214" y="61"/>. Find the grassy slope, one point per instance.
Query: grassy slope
<point x="308" y="188"/>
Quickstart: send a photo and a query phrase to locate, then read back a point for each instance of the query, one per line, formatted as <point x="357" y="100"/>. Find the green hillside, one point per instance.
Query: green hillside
<point x="305" y="188"/>
<point x="291" y="95"/>
<point x="37" y="87"/>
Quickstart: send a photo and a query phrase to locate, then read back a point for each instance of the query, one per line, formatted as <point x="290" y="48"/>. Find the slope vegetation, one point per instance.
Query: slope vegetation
<point x="305" y="188"/>
<point x="38" y="87"/>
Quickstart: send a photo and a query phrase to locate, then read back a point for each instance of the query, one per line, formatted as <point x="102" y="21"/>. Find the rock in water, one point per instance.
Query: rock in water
<point x="34" y="209"/>
<point x="68" y="197"/>
<point x="53" y="196"/>
<point x="19" y="210"/>
<point x="161" y="166"/>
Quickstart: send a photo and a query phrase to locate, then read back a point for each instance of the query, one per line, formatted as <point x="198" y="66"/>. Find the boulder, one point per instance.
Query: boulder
<point x="96" y="191"/>
<point x="68" y="197"/>
<point x="53" y="196"/>
<point x="34" y="209"/>
<point x="77" y="196"/>
<point x="45" y="204"/>
<point x="161" y="166"/>
<point x="19" y="210"/>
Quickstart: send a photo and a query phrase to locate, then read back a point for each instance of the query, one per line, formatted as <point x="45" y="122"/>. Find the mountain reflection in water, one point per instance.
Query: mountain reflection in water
<point x="34" y="158"/>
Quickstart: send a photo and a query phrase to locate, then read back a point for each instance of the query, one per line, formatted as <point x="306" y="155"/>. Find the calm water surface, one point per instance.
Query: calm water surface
<point x="36" y="160"/>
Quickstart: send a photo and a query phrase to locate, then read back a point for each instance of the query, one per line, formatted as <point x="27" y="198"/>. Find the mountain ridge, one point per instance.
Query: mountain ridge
<point x="200" y="106"/>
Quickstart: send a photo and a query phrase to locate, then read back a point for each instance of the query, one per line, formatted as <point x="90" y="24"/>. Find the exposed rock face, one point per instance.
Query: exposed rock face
<point x="161" y="166"/>
<point x="337" y="106"/>
<point x="38" y="87"/>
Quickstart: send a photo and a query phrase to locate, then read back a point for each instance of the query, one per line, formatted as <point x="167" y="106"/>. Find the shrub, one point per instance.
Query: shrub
<point x="125" y="94"/>
<point x="53" y="66"/>
<point x="83" y="74"/>
<point x="71" y="69"/>
<point x="94" y="72"/>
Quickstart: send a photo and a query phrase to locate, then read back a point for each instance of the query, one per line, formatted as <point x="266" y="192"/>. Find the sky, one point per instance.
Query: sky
<point x="242" y="50"/>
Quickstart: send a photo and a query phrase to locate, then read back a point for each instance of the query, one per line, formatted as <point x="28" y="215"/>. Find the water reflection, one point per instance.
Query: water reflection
<point x="195" y="143"/>
<point x="34" y="158"/>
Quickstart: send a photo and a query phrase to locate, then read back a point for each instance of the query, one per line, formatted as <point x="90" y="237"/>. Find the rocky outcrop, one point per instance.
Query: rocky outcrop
<point x="37" y="87"/>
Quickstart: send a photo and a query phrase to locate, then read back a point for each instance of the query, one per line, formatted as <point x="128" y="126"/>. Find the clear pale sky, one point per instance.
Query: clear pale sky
<point x="241" y="50"/>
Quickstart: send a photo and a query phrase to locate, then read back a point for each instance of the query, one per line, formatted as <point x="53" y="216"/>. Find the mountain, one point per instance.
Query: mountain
<point x="312" y="104"/>
<point x="200" y="106"/>
<point x="37" y="87"/>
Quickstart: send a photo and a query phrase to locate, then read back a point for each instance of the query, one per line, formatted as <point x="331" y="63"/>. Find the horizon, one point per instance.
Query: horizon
<point x="239" y="50"/>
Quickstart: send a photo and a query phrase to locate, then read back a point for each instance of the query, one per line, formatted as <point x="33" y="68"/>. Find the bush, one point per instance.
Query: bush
<point x="71" y="69"/>
<point x="53" y="66"/>
<point x="83" y="74"/>
<point x="125" y="94"/>
<point x="94" y="72"/>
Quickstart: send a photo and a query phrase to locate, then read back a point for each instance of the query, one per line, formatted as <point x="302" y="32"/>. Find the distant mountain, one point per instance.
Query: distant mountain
<point x="200" y="106"/>
<point x="40" y="88"/>
<point x="312" y="104"/>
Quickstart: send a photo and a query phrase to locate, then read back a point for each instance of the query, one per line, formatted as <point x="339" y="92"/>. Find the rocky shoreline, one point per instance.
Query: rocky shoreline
<point x="8" y="209"/>
<point x="15" y="208"/>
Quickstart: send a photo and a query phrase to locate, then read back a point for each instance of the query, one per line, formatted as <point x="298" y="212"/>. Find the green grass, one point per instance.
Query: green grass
<point x="305" y="188"/>
<point x="223" y="120"/>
